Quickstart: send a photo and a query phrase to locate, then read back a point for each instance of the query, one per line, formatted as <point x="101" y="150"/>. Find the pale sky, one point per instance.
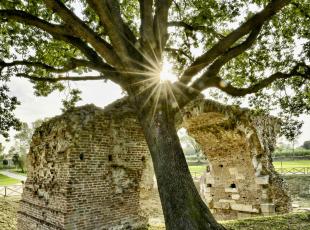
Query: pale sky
<point x="96" y="92"/>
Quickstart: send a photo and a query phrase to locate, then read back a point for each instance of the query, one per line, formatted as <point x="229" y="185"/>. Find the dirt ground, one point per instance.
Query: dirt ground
<point x="293" y="221"/>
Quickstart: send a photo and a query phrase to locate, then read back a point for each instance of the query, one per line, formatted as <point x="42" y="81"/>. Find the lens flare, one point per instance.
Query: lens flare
<point x="166" y="73"/>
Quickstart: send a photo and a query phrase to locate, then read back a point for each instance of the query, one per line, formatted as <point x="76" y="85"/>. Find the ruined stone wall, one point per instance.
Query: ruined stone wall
<point x="85" y="173"/>
<point x="242" y="181"/>
<point x="89" y="165"/>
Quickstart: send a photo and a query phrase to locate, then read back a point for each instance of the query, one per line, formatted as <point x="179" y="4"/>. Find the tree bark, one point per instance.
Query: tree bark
<point x="182" y="205"/>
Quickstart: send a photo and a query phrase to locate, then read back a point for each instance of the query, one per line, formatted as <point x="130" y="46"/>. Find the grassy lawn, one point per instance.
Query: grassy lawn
<point x="292" y="164"/>
<point x="4" y="180"/>
<point x="285" y="164"/>
<point x="292" y="221"/>
<point x="197" y="168"/>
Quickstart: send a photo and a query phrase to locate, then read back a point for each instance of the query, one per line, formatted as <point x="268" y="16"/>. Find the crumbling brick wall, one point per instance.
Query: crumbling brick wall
<point x="85" y="172"/>
<point x="88" y="166"/>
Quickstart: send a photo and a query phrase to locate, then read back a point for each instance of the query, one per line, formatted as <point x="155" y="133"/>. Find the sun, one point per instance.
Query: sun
<point x="166" y="73"/>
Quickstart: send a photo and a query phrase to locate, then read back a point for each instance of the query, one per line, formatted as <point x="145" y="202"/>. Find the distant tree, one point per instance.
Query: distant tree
<point x="5" y="162"/>
<point x="7" y="106"/>
<point x="23" y="137"/>
<point x="15" y="159"/>
<point x="22" y="162"/>
<point x="71" y="100"/>
<point x="306" y="145"/>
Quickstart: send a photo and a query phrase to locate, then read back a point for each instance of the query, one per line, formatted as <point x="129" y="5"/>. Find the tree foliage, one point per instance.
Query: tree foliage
<point x="306" y="145"/>
<point x="5" y="162"/>
<point x="7" y="106"/>
<point x="239" y="47"/>
<point x="24" y="135"/>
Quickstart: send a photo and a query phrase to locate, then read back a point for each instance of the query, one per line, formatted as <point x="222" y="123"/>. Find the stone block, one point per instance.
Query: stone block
<point x="264" y="194"/>
<point x="233" y="171"/>
<point x="244" y="208"/>
<point x="231" y="190"/>
<point x="267" y="208"/>
<point x="221" y="205"/>
<point x="235" y="196"/>
<point x="226" y="201"/>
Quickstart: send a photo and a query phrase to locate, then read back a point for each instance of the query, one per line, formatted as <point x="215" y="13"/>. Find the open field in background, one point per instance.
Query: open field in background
<point x="4" y="180"/>
<point x="292" y="164"/>
<point x="291" y="152"/>
<point x="197" y="168"/>
<point x="285" y="164"/>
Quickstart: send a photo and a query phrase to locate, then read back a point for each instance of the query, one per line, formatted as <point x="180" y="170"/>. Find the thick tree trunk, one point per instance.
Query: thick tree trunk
<point x="182" y="205"/>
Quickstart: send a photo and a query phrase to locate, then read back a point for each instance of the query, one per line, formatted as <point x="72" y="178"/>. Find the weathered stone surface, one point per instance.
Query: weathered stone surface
<point x="88" y="166"/>
<point x="235" y="196"/>
<point x="86" y="170"/>
<point x="244" y="208"/>
<point x="267" y="209"/>
<point x="238" y="147"/>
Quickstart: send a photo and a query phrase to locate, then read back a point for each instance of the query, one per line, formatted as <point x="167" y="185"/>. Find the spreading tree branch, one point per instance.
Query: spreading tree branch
<point x="184" y="94"/>
<point x="231" y="53"/>
<point x="300" y="70"/>
<point x="120" y="34"/>
<point x="221" y="47"/>
<point x="61" y="78"/>
<point x="161" y="25"/>
<point x="80" y="29"/>
<point x="181" y="51"/>
<point x="71" y="65"/>
<point x="29" y="19"/>
<point x="59" y="32"/>
<point x="146" y="28"/>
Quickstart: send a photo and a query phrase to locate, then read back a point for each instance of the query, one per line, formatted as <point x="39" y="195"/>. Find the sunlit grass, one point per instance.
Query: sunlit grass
<point x="292" y="164"/>
<point x="4" y="180"/>
<point x="285" y="164"/>
<point x="292" y="221"/>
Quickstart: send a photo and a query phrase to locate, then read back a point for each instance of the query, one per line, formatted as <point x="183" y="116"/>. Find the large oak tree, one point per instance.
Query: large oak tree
<point x="237" y="47"/>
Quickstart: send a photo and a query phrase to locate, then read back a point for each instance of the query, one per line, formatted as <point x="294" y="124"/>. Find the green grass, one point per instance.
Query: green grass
<point x="291" y="152"/>
<point x="292" y="221"/>
<point x="197" y="168"/>
<point x="292" y="164"/>
<point x="4" y="180"/>
<point x="285" y="164"/>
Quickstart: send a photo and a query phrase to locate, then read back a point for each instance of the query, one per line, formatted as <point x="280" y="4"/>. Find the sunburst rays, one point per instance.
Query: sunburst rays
<point x="155" y="78"/>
